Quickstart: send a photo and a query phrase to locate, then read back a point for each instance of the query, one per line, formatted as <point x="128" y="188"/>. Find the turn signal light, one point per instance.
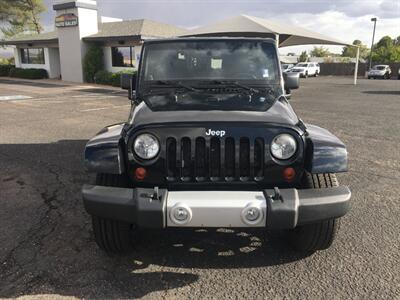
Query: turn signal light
<point x="289" y="174"/>
<point x="140" y="173"/>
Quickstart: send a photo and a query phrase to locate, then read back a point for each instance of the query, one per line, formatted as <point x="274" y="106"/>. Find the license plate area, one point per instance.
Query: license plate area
<point x="216" y="209"/>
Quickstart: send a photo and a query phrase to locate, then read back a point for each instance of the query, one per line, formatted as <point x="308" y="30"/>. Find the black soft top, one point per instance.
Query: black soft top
<point x="204" y="39"/>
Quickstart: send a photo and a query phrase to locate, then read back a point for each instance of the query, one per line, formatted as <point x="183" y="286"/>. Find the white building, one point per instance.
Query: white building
<point x="78" y="25"/>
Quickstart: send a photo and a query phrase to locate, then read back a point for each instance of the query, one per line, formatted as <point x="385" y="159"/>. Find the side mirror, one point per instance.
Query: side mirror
<point x="292" y="81"/>
<point x="128" y="82"/>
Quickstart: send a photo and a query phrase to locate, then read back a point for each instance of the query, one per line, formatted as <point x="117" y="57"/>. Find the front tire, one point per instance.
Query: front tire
<point x="315" y="236"/>
<point x="114" y="237"/>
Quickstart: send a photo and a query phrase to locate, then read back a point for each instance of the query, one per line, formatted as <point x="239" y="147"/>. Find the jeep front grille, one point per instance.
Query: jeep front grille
<point x="215" y="159"/>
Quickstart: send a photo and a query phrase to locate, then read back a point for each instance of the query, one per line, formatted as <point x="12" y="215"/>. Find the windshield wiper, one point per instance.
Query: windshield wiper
<point x="235" y="83"/>
<point x="175" y="84"/>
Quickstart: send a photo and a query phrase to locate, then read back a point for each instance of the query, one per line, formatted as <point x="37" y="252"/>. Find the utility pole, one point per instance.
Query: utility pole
<point x="372" y="45"/>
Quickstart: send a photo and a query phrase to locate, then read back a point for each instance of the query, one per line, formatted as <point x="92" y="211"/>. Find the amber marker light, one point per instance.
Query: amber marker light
<point x="289" y="174"/>
<point x="140" y="173"/>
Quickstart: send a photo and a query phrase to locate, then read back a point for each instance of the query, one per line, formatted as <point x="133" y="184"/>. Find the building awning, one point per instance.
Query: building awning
<point x="248" y="26"/>
<point x="284" y="35"/>
<point x="43" y="38"/>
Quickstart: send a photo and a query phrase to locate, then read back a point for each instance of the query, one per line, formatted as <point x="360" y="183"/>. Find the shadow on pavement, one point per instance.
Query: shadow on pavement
<point x="213" y="249"/>
<point x="32" y="83"/>
<point x="382" y="92"/>
<point x="48" y="248"/>
<point x="104" y="91"/>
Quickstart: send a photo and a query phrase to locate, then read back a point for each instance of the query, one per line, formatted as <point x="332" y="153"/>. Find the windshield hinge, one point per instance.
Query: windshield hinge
<point x="302" y="126"/>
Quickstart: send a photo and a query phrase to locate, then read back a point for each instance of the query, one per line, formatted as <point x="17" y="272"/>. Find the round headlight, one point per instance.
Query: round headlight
<point x="283" y="146"/>
<point x="146" y="146"/>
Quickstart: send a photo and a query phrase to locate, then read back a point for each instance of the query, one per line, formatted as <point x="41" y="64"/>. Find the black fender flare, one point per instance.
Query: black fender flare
<point x="104" y="152"/>
<point x="325" y="153"/>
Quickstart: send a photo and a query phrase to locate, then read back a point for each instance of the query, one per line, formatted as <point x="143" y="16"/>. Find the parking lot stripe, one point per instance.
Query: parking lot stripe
<point x="14" y="97"/>
<point x="94" y="96"/>
<point x="103" y="108"/>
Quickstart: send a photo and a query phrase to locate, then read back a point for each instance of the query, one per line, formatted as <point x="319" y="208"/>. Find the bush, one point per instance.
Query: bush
<point x="109" y="78"/>
<point x="7" y="61"/>
<point x="28" y="73"/>
<point x="103" y="77"/>
<point x="92" y="63"/>
<point x="5" y="70"/>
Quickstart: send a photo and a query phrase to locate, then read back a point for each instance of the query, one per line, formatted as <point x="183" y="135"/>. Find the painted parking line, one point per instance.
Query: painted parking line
<point x="14" y="97"/>
<point x="95" y="96"/>
<point x="103" y="108"/>
<point x="62" y="99"/>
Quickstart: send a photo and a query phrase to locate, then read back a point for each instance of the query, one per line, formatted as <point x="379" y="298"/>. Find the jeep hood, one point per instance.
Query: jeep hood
<point x="278" y="113"/>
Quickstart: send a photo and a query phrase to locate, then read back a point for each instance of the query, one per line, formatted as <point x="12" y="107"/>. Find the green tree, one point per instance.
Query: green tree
<point x="303" y="57"/>
<point x="349" y="51"/>
<point x="385" y="42"/>
<point x="17" y="16"/>
<point x="386" y="51"/>
<point x="92" y="63"/>
<point x="7" y="61"/>
<point x="397" y="41"/>
<point x="319" y="52"/>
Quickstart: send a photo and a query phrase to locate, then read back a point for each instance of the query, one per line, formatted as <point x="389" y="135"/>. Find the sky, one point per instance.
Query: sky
<point x="345" y="20"/>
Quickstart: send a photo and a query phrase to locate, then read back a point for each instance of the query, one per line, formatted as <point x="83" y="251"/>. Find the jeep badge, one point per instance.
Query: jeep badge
<point x="219" y="133"/>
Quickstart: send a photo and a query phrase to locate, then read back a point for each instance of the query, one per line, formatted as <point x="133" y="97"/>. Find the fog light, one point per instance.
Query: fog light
<point x="180" y="214"/>
<point x="289" y="174"/>
<point x="252" y="214"/>
<point x="140" y="173"/>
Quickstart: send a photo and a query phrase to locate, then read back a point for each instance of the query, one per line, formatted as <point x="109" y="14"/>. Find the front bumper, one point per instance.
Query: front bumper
<point x="376" y="75"/>
<point x="302" y="72"/>
<point x="273" y="209"/>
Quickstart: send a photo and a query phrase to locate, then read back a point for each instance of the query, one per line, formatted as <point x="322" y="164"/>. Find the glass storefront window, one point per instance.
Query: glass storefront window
<point x="32" y="56"/>
<point x="122" y="56"/>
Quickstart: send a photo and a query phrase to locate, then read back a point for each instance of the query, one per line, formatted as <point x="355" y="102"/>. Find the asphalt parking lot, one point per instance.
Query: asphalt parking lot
<point x="47" y="248"/>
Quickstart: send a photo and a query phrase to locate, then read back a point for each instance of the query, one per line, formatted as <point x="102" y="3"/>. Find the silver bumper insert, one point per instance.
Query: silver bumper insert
<point x="216" y="209"/>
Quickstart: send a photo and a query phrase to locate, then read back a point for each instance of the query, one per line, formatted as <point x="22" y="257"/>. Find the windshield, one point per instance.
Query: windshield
<point x="210" y="60"/>
<point x="378" y="68"/>
<point x="302" y="65"/>
<point x="210" y="75"/>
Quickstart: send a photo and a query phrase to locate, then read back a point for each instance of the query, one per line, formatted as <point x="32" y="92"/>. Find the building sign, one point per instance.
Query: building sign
<point x="66" y="20"/>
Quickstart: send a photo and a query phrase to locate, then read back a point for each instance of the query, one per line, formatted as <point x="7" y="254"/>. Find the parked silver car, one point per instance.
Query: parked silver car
<point x="380" y="71"/>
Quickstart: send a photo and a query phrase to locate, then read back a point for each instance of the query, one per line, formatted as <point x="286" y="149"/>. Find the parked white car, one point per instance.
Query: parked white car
<point x="306" y="69"/>
<point x="287" y="67"/>
<point x="379" y="71"/>
<point x="398" y="74"/>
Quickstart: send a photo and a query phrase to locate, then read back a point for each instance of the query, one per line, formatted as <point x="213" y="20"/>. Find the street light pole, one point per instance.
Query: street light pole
<point x="372" y="45"/>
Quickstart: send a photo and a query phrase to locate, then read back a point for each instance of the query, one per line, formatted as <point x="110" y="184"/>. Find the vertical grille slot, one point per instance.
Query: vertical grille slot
<point x="200" y="159"/>
<point x="258" y="158"/>
<point x="215" y="159"/>
<point x="186" y="159"/>
<point x="229" y="159"/>
<point x="171" y="159"/>
<point x="244" y="159"/>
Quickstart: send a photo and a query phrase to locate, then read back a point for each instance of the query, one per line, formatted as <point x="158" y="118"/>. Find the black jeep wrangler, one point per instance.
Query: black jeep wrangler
<point x="212" y="141"/>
